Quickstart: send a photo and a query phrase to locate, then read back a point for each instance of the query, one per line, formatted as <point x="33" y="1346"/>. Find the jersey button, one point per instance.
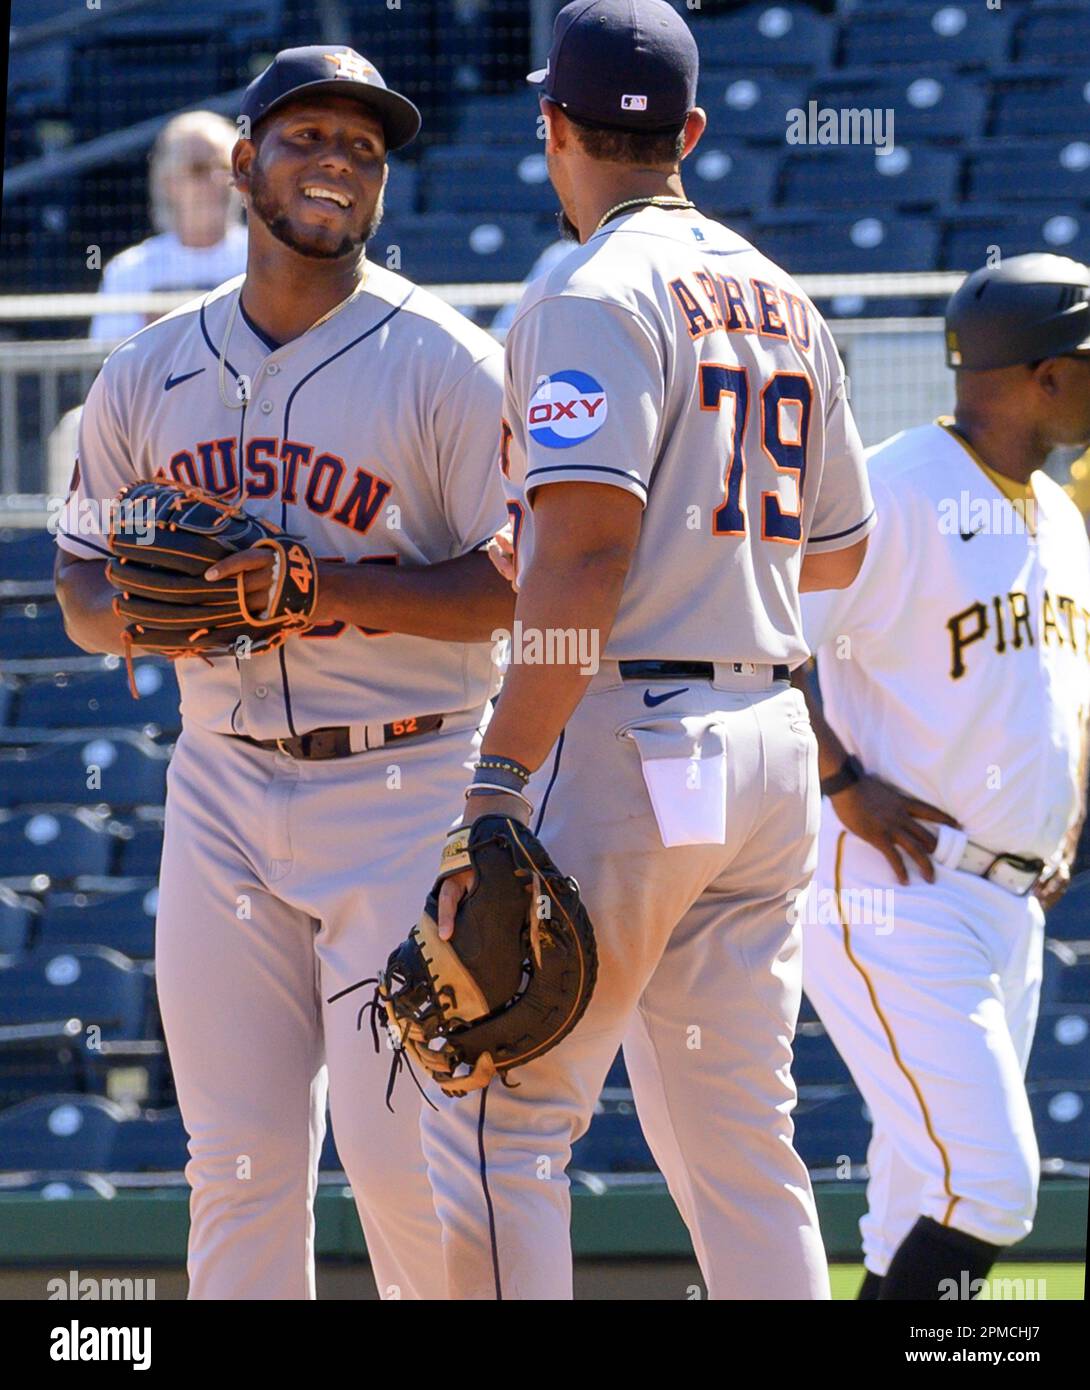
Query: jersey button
<point x="261" y="691"/>
<point x="266" y="407"/>
<point x="273" y="369"/>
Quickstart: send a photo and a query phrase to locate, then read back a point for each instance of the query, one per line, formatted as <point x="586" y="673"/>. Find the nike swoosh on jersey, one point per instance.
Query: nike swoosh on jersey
<point x="173" y="381"/>
<point x="968" y="535"/>
<point x="652" y="700"/>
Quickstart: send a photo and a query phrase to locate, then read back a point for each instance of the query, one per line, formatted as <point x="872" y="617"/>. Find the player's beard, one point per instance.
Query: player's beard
<point x="265" y="206"/>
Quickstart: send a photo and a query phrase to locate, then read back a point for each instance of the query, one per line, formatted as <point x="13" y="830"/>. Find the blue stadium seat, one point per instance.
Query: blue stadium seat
<point x="64" y="1132"/>
<point x="330" y="1160"/>
<point x="18" y="922"/>
<point x="510" y="118"/>
<point x="1061" y="1119"/>
<point x="774" y="37"/>
<point x="141" y="849"/>
<point x="1044" y="103"/>
<point x="1069" y="920"/>
<point x="99" y="770"/>
<point x="971" y="232"/>
<point x="817" y="1062"/>
<point x="1061" y="1045"/>
<point x="58" y="1186"/>
<point x="931" y="103"/>
<point x="402" y="188"/>
<point x="750" y="107"/>
<point x="101" y="699"/>
<point x="153" y="1142"/>
<point x="617" y="1076"/>
<point x="7" y="702"/>
<point x="1054" y="34"/>
<point x="440" y="247"/>
<point x="614" y="1143"/>
<point x="861" y="177"/>
<point x="99" y="987"/>
<point x="123" y="921"/>
<point x="26" y="554"/>
<point x="33" y="629"/>
<point x="1042" y="170"/>
<point x="62" y="844"/>
<point x="513" y="177"/>
<point x="724" y="179"/>
<point x="965" y="35"/>
<point x="869" y="242"/>
<point x="1066" y="974"/>
<point x="831" y="1125"/>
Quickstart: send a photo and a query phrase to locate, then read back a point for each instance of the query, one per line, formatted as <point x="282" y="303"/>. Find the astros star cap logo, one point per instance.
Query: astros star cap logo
<point x="350" y="65"/>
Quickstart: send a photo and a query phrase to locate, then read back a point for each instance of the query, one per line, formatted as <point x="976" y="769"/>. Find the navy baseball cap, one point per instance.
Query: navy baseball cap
<point x="621" y="65"/>
<point x="340" y="71"/>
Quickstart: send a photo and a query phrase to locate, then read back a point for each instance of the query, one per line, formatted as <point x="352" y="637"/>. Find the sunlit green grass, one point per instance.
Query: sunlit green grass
<point x="1050" y="1281"/>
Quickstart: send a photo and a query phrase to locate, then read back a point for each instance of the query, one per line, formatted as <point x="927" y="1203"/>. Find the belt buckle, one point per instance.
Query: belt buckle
<point x="280" y="746"/>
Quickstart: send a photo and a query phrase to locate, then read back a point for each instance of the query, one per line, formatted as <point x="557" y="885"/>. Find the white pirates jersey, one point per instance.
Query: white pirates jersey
<point x="957" y="665"/>
<point x="372" y="436"/>
<point x="668" y="358"/>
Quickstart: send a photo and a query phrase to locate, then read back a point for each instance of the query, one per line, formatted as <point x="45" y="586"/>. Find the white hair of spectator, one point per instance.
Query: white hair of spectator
<point x="175" y="139"/>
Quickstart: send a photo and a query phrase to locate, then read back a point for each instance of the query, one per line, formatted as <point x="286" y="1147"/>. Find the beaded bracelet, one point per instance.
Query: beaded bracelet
<point x="493" y="763"/>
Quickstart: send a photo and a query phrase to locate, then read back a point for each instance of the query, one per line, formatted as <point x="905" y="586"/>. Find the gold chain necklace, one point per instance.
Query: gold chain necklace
<point x="658" y="201"/>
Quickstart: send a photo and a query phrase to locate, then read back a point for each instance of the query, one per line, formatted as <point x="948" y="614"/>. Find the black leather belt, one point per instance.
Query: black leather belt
<point x="685" y="670"/>
<point x="320" y="744"/>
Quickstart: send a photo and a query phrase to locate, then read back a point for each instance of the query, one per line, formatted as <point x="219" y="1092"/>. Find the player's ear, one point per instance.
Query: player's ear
<point x="696" y="122"/>
<point x="242" y="157"/>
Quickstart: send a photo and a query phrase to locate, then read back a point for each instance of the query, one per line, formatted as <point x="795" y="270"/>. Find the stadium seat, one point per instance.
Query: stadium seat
<point x="1046" y="103"/>
<point x="617" y="1076"/>
<point x="1069" y="920"/>
<point x="966" y="35"/>
<point x="614" y="1143"/>
<point x="153" y="1142"/>
<point x="1054" y="34"/>
<point x="1061" y="1119"/>
<point x="753" y="107"/>
<point x="776" y="38"/>
<point x="101" y="699"/>
<point x="510" y="118"/>
<point x="830" y="1126"/>
<point x="18" y="922"/>
<point x="58" y="1186"/>
<point x="65" y="1132"/>
<point x="100" y="987"/>
<point x="869" y="242"/>
<point x="123" y="921"/>
<point x="1066" y="974"/>
<point x="930" y="103"/>
<point x="860" y="177"/>
<point x="441" y="247"/>
<point x="89" y="772"/>
<point x="61" y="844"/>
<point x="7" y="702"/>
<point x="724" y="179"/>
<point x="817" y="1062"/>
<point x="402" y="189"/>
<point x="1061" y="1045"/>
<point x="970" y="233"/>
<point x="513" y="177"/>
<point x="33" y="630"/>
<point x="141" y="849"/>
<point x="1041" y="170"/>
<point x="330" y="1160"/>
<point x="27" y="554"/>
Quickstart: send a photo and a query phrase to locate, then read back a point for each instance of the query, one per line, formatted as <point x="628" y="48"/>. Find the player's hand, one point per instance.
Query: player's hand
<point x="453" y="889"/>
<point x="501" y="551"/>
<point x="257" y="566"/>
<point x="1052" y="888"/>
<point x="890" y="821"/>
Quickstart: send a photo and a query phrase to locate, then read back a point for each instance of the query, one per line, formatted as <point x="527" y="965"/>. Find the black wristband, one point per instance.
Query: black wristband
<point x="851" y="769"/>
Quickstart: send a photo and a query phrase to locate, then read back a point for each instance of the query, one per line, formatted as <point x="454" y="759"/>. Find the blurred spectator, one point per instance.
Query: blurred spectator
<point x="200" y="241"/>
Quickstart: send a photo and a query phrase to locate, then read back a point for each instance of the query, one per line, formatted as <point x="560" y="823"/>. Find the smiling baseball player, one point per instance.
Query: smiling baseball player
<point x="956" y="686"/>
<point x="680" y="458"/>
<point x="331" y="397"/>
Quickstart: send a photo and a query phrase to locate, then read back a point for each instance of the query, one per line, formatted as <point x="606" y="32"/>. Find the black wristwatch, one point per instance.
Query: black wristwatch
<point x="851" y="769"/>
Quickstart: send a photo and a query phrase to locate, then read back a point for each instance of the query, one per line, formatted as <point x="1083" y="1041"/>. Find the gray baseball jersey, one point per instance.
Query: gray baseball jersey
<point x="373" y="436"/>
<point x="669" y="358"/>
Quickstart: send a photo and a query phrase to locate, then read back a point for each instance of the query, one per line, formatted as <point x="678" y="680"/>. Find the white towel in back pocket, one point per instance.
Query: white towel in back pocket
<point x="684" y="764"/>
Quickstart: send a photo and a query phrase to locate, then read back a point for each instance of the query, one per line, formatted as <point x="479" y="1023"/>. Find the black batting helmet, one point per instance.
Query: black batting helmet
<point x="1021" y="310"/>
